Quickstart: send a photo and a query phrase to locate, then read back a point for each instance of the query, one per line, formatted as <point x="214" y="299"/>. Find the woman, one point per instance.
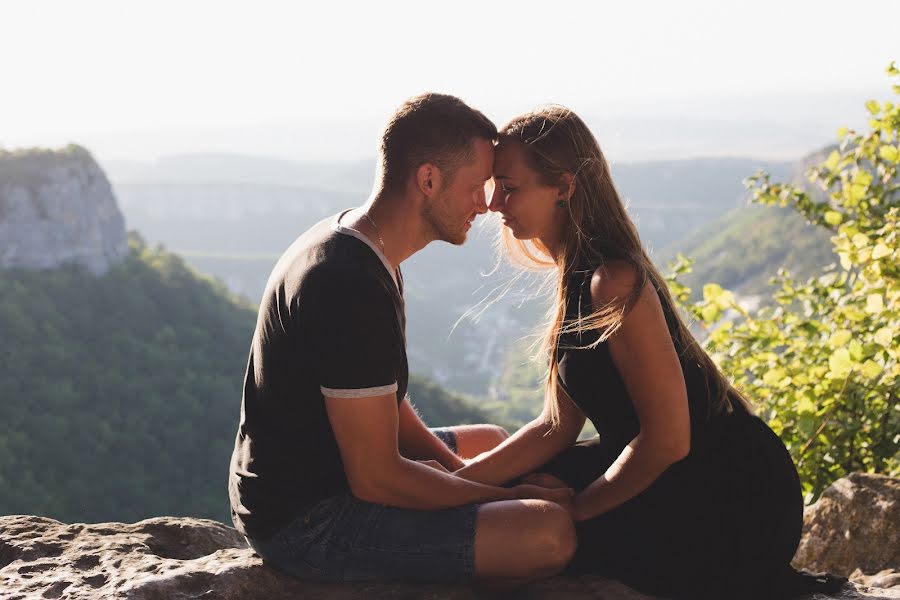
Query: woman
<point x="685" y="493"/>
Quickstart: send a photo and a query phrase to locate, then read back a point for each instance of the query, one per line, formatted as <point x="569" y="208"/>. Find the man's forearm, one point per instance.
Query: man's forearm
<point x="417" y="442"/>
<point x="409" y="484"/>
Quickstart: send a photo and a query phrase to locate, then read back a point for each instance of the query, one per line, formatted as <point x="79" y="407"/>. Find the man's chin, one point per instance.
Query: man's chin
<point x="457" y="239"/>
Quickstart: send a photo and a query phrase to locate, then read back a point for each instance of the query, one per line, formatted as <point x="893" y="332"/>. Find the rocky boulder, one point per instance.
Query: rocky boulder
<point x="56" y="208"/>
<point x="854" y="530"/>
<point x="183" y="558"/>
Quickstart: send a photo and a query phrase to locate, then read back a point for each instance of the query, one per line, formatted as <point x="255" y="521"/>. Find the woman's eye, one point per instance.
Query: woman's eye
<point x="506" y="188"/>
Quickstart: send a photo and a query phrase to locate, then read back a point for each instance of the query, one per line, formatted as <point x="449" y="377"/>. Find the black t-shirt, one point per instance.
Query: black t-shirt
<point x="331" y="321"/>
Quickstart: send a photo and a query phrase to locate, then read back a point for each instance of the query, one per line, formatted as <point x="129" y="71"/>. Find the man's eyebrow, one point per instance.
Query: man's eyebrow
<point x="502" y="177"/>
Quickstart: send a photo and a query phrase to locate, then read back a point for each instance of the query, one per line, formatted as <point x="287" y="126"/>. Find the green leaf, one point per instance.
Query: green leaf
<point x="884" y="337"/>
<point x="832" y="161"/>
<point x="711" y="291"/>
<point x="871" y="369"/>
<point x="839" y="338"/>
<point x="839" y="362"/>
<point x="856" y="351"/>
<point x="873" y="107"/>
<point x="774" y="376"/>
<point x="710" y="313"/>
<point x="880" y="251"/>
<point x="833" y="218"/>
<point x="889" y="153"/>
<point x="874" y="303"/>
<point x="845" y="261"/>
<point x="806" y="406"/>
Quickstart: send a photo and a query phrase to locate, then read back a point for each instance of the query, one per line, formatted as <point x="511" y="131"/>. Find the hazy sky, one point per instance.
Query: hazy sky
<point x="141" y="78"/>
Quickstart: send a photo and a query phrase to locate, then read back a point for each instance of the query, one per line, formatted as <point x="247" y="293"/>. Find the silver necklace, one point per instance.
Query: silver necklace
<point x="377" y="231"/>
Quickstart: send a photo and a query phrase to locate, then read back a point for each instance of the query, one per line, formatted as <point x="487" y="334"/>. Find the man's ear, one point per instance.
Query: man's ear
<point x="428" y="179"/>
<point x="566" y="186"/>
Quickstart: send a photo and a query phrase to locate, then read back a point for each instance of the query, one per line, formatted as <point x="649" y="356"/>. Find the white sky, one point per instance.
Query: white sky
<point x="87" y="68"/>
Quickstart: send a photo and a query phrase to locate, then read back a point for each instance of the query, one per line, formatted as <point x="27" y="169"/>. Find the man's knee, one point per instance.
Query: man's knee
<point x="499" y="433"/>
<point x="557" y="538"/>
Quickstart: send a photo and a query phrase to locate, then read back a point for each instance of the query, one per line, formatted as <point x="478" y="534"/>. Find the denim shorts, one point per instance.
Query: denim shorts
<point x="342" y="538"/>
<point x="446" y="435"/>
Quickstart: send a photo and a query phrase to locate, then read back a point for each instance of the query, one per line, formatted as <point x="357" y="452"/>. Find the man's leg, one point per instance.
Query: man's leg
<point x="346" y="539"/>
<point x="468" y="441"/>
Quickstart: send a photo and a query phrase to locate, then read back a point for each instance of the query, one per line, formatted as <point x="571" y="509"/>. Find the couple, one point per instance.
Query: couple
<point x="334" y="477"/>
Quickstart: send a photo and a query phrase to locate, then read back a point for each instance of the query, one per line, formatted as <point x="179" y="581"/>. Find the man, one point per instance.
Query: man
<point x="334" y="477"/>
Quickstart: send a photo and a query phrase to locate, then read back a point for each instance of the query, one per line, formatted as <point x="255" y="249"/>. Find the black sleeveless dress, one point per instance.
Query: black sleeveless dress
<point x="723" y="522"/>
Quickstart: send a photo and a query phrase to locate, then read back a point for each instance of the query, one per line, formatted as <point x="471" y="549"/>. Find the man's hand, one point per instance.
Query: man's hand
<point x="553" y="484"/>
<point x="537" y="492"/>
<point x="544" y="480"/>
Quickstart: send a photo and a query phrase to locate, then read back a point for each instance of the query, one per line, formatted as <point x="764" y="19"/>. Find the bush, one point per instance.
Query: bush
<point x="820" y="360"/>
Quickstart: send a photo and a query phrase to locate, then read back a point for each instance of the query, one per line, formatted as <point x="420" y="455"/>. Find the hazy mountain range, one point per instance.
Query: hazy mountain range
<point x="231" y="216"/>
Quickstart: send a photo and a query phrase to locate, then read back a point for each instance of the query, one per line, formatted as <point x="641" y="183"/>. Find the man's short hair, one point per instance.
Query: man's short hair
<point x="430" y="128"/>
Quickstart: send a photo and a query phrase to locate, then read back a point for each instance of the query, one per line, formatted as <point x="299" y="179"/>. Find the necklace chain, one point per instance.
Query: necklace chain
<point x="377" y="230"/>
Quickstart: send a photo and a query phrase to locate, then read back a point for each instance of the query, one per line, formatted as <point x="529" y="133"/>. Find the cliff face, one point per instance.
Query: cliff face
<point x="56" y="208"/>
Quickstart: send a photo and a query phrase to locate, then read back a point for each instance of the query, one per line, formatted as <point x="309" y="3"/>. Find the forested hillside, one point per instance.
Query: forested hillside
<point x="121" y="393"/>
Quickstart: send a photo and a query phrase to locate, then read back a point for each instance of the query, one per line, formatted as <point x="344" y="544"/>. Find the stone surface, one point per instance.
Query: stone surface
<point x="57" y="208"/>
<point x="854" y="530"/>
<point x="183" y="558"/>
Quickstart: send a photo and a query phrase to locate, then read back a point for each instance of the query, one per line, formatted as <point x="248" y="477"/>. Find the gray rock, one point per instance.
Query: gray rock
<point x="57" y="208"/>
<point x="183" y="558"/>
<point x="854" y="530"/>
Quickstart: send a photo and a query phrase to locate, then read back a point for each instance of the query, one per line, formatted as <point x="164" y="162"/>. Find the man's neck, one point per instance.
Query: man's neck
<point x="393" y="221"/>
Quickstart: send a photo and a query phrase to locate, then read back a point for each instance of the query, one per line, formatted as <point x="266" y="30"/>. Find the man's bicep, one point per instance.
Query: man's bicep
<point x="366" y="432"/>
<point x="359" y="346"/>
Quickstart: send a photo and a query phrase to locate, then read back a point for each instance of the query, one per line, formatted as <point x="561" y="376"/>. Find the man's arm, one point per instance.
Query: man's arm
<point x="366" y="430"/>
<point x="418" y="443"/>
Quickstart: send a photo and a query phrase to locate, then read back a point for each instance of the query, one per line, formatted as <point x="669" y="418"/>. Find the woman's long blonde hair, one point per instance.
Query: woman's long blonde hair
<point x="598" y="229"/>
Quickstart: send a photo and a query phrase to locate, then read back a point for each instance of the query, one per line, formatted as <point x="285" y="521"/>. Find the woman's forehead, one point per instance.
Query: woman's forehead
<point x="509" y="161"/>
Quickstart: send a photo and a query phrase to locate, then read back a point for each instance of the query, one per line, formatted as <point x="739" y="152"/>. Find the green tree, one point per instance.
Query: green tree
<point x="820" y="360"/>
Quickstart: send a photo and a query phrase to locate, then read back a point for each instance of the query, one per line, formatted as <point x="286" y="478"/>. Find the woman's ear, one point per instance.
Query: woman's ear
<point x="566" y="186"/>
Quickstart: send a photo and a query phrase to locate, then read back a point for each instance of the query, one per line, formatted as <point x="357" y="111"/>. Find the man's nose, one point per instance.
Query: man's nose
<point x="481" y="200"/>
<point x="496" y="198"/>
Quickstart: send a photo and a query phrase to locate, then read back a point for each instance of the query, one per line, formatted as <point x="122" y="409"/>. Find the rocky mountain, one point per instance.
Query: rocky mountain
<point x="56" y="208"/>
<point x="188" y="558"/>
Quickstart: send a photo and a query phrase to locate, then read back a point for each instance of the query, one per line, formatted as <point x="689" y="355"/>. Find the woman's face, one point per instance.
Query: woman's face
<point x="528" y="207"/>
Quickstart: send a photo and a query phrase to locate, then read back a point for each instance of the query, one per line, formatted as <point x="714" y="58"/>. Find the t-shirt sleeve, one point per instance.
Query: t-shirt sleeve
<point x="359" y="343"/>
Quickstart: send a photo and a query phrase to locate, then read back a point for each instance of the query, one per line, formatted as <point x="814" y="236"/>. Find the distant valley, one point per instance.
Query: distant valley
<point x="232" y="216"/>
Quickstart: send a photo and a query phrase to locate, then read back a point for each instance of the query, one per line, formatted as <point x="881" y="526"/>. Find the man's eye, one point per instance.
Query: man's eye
<point x="506" y="188"/>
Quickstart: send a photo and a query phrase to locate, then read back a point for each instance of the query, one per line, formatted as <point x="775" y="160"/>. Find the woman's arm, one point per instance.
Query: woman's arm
<point x="644" y="354"/>
<point x="528" y="448"/>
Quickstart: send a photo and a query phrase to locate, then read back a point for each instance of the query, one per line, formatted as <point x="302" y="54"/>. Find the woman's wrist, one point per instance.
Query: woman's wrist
<point x="580" y="512"/>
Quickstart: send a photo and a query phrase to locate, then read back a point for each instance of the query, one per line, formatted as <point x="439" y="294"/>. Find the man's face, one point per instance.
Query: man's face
<point x="452" y="210"/>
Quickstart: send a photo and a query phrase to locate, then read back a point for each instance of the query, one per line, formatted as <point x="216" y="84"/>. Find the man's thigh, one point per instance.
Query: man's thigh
<point x="354" y="540"/>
